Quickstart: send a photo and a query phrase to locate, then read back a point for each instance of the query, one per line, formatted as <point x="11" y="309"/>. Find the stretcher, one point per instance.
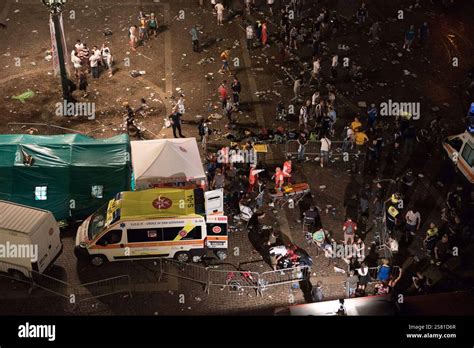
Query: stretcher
<point x="294" y="192"/>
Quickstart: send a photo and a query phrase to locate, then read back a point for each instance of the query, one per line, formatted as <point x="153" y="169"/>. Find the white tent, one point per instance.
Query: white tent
<point x="166" y="161"/>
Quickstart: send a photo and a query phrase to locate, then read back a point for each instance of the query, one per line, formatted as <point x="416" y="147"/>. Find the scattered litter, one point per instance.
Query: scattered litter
<point x="135" y="73"/>
<point x="16" y="11"/>
<point x="362" y="104"/>
<point x="24" y="96"/>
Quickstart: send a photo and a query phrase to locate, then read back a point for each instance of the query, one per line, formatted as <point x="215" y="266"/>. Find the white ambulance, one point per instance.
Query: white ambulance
<point x="152" y="224"/>
<point x="460" y="149"/>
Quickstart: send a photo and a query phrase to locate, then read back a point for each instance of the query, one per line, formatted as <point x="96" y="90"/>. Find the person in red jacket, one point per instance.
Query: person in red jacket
<point x="223" y="94"/>
<point x="253" y="177"/>
<point x="287" y="169"/>
<point x="280" y="179"/>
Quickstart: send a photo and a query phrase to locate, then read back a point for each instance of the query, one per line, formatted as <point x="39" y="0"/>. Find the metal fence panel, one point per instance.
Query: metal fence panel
<point x="285" y="276"/>
<point x="104" y="287"/>
<point x="184" y="271"/>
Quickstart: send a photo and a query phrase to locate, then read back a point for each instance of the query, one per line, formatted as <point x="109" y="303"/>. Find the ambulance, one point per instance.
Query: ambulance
<point x="460" y="149"/>
<point x="183" y="224"/>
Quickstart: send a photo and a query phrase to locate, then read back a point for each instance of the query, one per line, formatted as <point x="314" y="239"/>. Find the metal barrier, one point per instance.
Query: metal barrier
<point x="35" y="279"/>
<point x="285" y="276"/>
<point x="184" y="271"/>
<point x="313" y="148"/>
<point x="236" y="281"/>
<point x="104" y="287"/>
<point x="64" y="289"/>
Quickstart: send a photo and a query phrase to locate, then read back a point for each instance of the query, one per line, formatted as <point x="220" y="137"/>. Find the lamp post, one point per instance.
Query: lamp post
<point x="55" y="8"/>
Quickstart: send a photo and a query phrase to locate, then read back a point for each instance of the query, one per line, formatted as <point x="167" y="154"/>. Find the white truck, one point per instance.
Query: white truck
<point x="29" y="240"/>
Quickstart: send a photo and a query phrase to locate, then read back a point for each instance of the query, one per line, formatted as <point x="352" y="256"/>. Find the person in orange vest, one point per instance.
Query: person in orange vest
<point x="287" y="169"/>
<point x="280" y="179"/>
<point x="253" y="177"/>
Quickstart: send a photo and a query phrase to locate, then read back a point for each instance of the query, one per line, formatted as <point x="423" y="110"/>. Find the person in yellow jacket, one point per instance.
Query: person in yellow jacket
<point x="360" y="139"/>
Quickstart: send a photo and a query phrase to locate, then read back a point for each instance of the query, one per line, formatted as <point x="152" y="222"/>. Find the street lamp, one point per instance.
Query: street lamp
<point x="55" y="8"/>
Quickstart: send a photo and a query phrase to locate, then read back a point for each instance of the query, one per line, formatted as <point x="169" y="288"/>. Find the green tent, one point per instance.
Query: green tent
<point x="70" y="175"/>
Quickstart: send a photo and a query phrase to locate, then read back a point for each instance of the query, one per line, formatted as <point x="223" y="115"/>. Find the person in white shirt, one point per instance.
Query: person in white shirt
<point x="220" y="13"/>
<point x="325" y="148"/>
<point x="270" y="4"/>
<point x="334" y="64"/>
<point x="315" y="71"/>
<point x="107" y="58"/>
<point x="250" y="34"/>
<point x="413" y="221"/>
<point x="303" y="119"/>
<point x="94" y="62"/>
<point x="76" y="61"/>
<point x="79" y="45"/>
<point x="180" y="105"/>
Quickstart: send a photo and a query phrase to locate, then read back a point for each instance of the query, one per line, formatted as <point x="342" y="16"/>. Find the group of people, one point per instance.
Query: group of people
<point x="90" y="61"/>
<point x="147" y="28"/>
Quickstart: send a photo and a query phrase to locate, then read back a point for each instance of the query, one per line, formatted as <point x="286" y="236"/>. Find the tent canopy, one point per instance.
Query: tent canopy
<point x="166" y="160"/>
<point x="70" y="175"/>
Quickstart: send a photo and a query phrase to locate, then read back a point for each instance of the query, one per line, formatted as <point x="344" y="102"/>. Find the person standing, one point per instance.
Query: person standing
<point x="220" y="13"/>
<point x="107" y="58"/>
<point x="84" y="55"/>
<point x="364" y="277"/>
<point x="409" y="37"/>
<point x="297" y="89"/>
<point x="317" y="294"/>
<point x="76" y="61"/>
<point x="250" y="34"/>
<point x="270" y="4"/>
<point x="152" y="26"/>
<point x="236" y="90"/>
<point x="351" y="284"/>
<point x="82" y="83"/>
<point x="203" y="130"/>
<point x="287" y="169"/>
<point x="372" y="116"/>
<point x="133" y="35"/>
<point x="412" y="223"/>
<point x="303" y="119"/>
<point x="362" y="14"/>
<point x="423" y="33"/>
<point x="225" y="57"/>
<point x="349" y="228"/>
<point x="315" y="71"/>
<point x="302" y="141"/>
<point x="264" y="35"/>
<point x="374" y="30"/>
<point x="195" y="38"/>
<point x="334" y="64"/>
<point x="143" y="29"/>
<point x="223" y="94"/>
<point x="94" y="62"/>
<point x="180" y="105"/>
<point x="176" y="123"/>
<point x="325" y="148"/>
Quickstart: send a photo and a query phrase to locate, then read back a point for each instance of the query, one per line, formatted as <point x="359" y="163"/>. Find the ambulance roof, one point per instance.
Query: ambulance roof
<point x="150" y="204"/>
